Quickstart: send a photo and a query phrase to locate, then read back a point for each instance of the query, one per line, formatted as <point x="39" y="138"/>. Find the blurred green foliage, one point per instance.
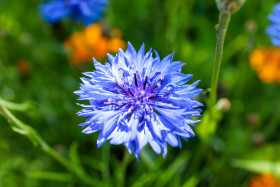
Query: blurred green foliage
<point x="246" y="139"/>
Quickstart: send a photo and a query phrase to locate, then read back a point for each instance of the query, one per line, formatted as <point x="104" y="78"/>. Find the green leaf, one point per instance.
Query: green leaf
<point x="258" y="166"/>
<point x="18" y="130"/>
<point x="73" y="153"/>
<point x="269" y="152"/>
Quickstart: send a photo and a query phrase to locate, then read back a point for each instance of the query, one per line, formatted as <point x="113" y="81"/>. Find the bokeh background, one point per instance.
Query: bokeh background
<point x="36" y="68"/>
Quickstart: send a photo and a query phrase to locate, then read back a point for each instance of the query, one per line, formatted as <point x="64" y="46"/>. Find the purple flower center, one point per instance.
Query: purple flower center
<point x="138" y="94"/>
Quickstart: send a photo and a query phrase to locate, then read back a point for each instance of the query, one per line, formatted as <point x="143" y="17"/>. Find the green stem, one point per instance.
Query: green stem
<point x="221" y="33"/>
<point x="28" y="131"/>
<point x="123" y="167"/>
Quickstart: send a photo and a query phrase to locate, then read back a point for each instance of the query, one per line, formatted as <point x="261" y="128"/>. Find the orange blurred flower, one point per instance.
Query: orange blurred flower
<point x="77" y="48"/>
<point x="82" y="46"/>
<point x="266" y="62"/>
<point x="23" y="66"/>
<point x="264" y="180"/>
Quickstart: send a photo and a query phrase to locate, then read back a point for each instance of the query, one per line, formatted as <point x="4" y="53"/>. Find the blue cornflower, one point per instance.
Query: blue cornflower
<point x="274" y="29"/>
<point x="86" y="10"/>
<point x="137" y="99"/>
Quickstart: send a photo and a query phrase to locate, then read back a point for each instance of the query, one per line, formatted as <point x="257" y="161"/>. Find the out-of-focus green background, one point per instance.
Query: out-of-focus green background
<point x="246" y="141"/>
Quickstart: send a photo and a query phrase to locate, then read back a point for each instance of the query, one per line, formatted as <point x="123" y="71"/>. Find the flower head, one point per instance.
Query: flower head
<point x="274" y="29"/>
<point x="91" y="42"/>
<point x="266" y="62"/>
<point x="137" y="99"/>
<point x="86" y="10"/>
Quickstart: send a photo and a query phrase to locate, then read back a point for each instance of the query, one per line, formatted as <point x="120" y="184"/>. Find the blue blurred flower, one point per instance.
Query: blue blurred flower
<point x="137" y="99"/>
<point x="86" y="10"/>
<point x="274" y="29"/>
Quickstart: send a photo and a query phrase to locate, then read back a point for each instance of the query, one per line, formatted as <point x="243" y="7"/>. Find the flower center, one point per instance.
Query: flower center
<point x="137" y="92"/>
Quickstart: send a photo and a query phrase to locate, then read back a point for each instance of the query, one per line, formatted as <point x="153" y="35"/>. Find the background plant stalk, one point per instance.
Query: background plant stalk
<point x="26" y="130"/>
<point x="221" y="33"/>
